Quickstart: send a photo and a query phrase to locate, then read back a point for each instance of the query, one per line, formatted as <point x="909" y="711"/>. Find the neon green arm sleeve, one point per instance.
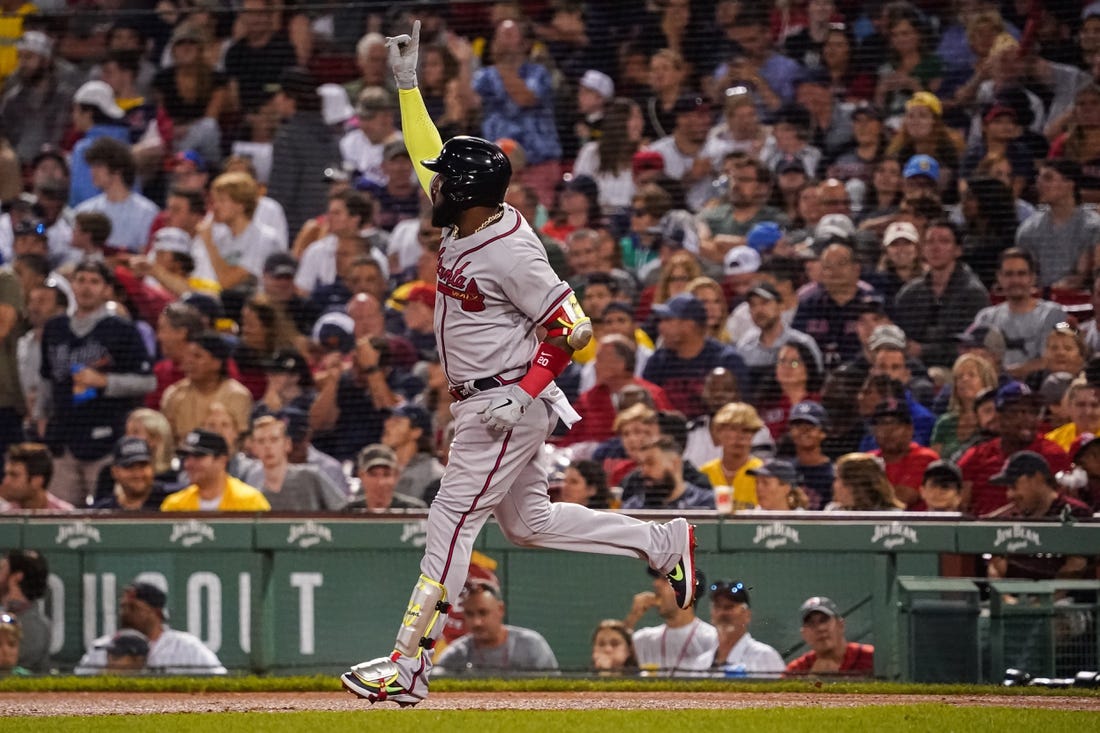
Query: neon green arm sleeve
<point x="421" y="138"/>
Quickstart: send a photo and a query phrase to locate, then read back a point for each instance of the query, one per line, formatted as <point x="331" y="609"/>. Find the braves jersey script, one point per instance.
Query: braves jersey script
<point x="496" y="287"/>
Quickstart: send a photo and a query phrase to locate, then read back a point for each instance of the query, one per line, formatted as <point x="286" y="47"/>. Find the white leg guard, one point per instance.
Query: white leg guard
<point x="428" y="601"/>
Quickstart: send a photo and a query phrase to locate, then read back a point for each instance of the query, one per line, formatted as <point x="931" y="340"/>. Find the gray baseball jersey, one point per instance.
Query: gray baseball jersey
<point x="497" y="286"/>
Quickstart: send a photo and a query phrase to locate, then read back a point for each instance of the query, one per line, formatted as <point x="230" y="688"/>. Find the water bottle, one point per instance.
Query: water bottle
<point x="86" y="394"/>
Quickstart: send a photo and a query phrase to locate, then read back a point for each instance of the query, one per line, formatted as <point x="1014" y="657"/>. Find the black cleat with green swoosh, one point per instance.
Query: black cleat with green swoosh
<point x="682" y="577"/>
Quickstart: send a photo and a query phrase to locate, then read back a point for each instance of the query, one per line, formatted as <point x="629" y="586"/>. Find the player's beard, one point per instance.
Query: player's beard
<point x="445" y="214"/>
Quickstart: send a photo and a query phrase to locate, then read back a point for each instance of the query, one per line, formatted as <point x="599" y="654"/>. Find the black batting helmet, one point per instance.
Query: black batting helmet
<point x="475" y="172"/>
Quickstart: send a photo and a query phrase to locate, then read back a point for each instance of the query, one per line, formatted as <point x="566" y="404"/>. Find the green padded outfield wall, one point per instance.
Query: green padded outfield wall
<point x="303" y="595"/>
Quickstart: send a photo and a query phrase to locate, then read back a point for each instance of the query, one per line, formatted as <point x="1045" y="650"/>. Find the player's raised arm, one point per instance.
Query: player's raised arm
<point x="421" y="137"/>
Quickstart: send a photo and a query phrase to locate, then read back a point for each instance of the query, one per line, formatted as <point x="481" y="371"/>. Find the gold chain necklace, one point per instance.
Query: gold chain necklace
<point x="491" y="220"/>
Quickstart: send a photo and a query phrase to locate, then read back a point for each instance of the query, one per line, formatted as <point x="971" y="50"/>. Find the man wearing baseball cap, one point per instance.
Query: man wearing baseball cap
<point x="595" y="90"/>
<point x="1033" y="493"/>
<point x="830" y="651"/>
<point x="892" y="425"/>
<point x="806" y="426"/>
<point x="777" y="487"/>
<point x="408" y="431"/>
<point x="205" y="456"/>
<point x="143" y="622"/>
<point x="738" y="654"/>
<point x="687" y="354"/>
<point x="1018" y="421"/>
<point x="944" y="300"/>
<point x="135" y="486"/>
<point x="760" y="346"/>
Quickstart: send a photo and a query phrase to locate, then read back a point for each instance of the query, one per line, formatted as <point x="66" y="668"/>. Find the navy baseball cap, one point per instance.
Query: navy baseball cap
<point x="810" y="412"/>
<point x="1013" y="393"/>
<point x="417" y="415"/>
<point x="731" y="590"/>
<point x="943" y="473"/>
<point x="776" y="468"/>
<point x="200" y="442"/>
<point x="764" y="290"/>
<point x="684" y="306"/>
<point x="297" y="423"/>
<point x="617" y="306"/>
<point x="149" y="593"/>
<point x="1021" y="463"/>
<point x="127" y="643"/>
<point x="131" y="450"/>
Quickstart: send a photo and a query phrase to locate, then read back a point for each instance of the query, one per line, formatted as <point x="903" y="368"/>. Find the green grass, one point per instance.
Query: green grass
<point x="937" y="718"/>
<point x="322" y="683"/>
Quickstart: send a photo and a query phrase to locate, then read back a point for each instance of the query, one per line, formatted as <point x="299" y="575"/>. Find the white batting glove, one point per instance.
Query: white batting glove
<point x="505" y="411"/>
<point x="403" y="52"/>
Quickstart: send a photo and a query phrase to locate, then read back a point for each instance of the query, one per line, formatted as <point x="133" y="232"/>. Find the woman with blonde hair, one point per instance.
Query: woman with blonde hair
<point x="152" y="427"/>
<point x="733" y="428"/>
<point x="923" y="131"/>
<point x="672" y="279"/>
<point x="861" y="485"/>
<point x="713" y="299"/>
<point x="970" y="376"/>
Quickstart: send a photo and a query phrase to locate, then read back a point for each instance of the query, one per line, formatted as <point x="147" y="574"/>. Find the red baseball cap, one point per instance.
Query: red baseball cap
<point x="421" y="293"/>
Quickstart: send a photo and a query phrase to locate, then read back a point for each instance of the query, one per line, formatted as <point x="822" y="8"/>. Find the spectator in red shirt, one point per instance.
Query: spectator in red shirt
<point x="892" y="425"/>
<point x="1033" y="494"/>
<point x="830" y="651"/>
<point x="1018" y="421"/>
<point x="614" y="367"/>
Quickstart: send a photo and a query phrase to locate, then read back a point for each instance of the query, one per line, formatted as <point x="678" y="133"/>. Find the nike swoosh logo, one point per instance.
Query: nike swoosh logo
<point x="677" y="574"/>
<point x="504" y="404"/>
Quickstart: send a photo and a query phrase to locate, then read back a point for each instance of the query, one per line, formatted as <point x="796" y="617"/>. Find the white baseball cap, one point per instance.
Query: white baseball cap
<point x="36" y="42"/>
<point x="834" y="226"/>
<point x="172" y="239"/>
<point x="99" y="94"/>
<point x="741" y="260"/>
<point x="900" y="230"/>
<point x="335" y="105"/>
<point x="598" y="82"/>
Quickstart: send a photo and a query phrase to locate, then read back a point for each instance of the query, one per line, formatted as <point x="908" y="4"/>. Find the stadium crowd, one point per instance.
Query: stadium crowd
<point x="794" y="229"/>
<point x="839" y="255"/>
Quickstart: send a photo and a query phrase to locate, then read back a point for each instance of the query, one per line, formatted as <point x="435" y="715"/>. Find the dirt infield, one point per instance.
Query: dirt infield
<point x="102" y="703"/>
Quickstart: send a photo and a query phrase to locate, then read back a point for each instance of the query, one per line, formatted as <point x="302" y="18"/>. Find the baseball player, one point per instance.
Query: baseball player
<point x="496" y="295"/>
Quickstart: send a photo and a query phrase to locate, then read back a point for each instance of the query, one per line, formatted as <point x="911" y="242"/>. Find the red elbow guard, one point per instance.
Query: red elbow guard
<point x="550" y="361"/>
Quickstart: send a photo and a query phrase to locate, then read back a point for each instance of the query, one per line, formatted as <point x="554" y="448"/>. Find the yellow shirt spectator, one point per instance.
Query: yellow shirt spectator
<point x="744" y="485"/>
<point x="733" y="428"/>
<point x="11" y="30"/>
<point x="237" y="497"/>
<point x="1063" y="436"/>
<point x="205" y="455"/>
